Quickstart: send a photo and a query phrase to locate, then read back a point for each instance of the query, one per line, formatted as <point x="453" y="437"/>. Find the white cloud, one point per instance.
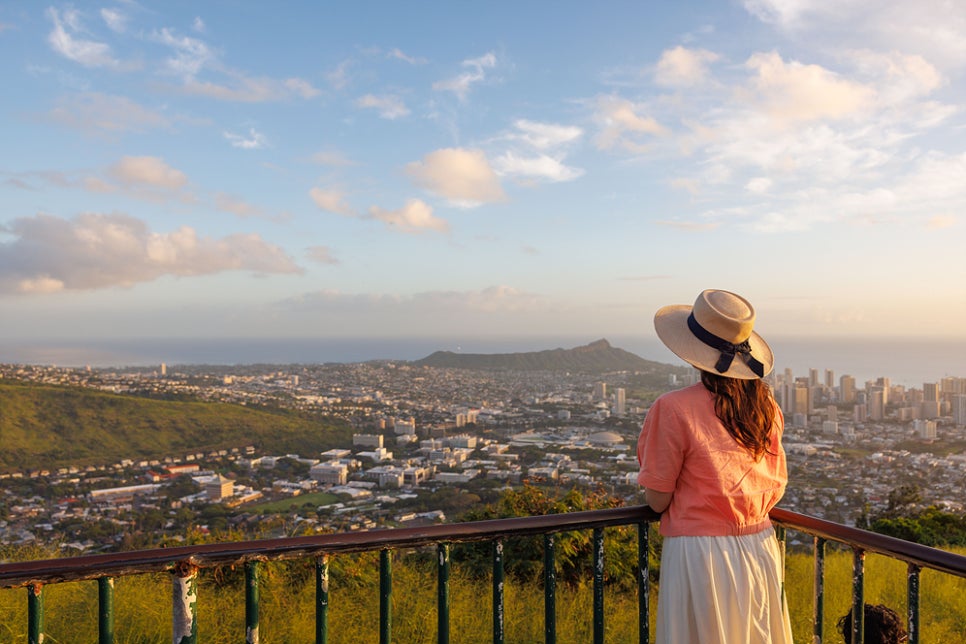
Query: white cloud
<point x="301" y="88"/>
<point x="541" y="149"/>
<point x="236" y="206"/>
<point x="339" y="77"/>
<point x="464" y="177"/>
<point x="115" y="20"/>
<point x="331" y="200"/>
<point x="198" y="25"/>
<point x="389" y="106"/>
<point x="255" y="140"/>
<point x="935" y="29"/>
<point x="249" y="90"/>
<point x="795" y="92"/>
<point x="88" y="53"/>
<point x="462" y="83"/>
<point x="414" y="217"/>
<point x="399" y="55"/>
<point x="321" y="255"/>
<point x="93" y="112"/>
<point x="624" y="125"/>
<point x="758" y="185"/>
<point x="941" y="222"/>
<point x="95" y="251"/>
<point x="444" y="306"/>
<point x="191" y="55"/>
<point x="150" y="172"/>
<point x="682" y="67"/>
<point x="540" y="167"/>
<point x="545" y="136"/>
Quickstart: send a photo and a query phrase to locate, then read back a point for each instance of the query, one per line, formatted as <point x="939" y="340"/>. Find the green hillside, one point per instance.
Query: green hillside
<point x="46" y="426"/>
<point x="596" y="357"/>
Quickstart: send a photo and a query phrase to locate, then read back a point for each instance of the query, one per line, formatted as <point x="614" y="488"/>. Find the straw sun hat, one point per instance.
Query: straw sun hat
<point x="716" y="335"/>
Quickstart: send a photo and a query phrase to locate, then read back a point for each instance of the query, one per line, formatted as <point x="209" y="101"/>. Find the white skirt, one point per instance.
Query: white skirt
<point x="722" y="590"/>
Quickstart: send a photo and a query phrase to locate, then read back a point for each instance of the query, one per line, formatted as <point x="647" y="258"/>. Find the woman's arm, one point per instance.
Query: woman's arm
<point x="658" y="501"/>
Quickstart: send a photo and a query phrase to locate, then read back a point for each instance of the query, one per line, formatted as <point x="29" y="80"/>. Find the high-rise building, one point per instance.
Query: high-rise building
<point x="886" y="385"/>
<point x="813" y="378"/>
<point x="959" y="409"/>
<point x="619" y="401"/>
<point x="847" y="389"/>
<point x="877" y="404"/>
<point x="930" y="392"/>
<point x="600" y="391"/>
<point x="800" y="400"/>
<point x="951" y="385"/>
<point x="829" y="378"/>
<point x="788" y="392"/>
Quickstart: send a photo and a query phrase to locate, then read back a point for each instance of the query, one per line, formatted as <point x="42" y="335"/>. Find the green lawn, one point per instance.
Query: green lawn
<point x="285" y="505"/>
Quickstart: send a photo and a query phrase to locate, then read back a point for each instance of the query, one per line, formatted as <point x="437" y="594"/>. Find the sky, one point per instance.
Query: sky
<point x="440" y="169"/>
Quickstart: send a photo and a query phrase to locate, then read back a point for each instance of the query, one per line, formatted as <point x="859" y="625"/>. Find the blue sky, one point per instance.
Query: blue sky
<point x="233" y="169"/>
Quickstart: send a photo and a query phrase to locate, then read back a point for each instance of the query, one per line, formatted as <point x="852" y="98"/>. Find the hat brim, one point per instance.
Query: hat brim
<point x="671" y="324"/>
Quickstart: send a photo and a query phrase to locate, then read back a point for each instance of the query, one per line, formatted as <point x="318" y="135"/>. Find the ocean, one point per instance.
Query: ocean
<point x="908" y="362"/>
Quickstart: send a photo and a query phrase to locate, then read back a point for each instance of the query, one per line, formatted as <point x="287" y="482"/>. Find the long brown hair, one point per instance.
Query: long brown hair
<point x="745" y="407"/>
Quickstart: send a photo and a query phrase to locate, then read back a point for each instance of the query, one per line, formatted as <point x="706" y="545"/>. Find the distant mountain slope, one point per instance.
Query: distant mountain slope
<point x="47" y="426"/>
<point x="596" y="357"/>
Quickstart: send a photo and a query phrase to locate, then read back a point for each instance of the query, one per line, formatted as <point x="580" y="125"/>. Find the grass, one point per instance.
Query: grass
<point x="287" y="611"/>
<point x="285" y="505"/>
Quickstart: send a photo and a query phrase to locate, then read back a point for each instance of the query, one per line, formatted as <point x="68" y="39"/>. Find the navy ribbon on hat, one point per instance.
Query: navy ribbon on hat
<point x="728" y="350"/>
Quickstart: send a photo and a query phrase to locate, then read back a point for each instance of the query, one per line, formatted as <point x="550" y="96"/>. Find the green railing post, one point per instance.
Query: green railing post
<point x="643" y="584"/>
<point x="322" y="600"/>
<point x="251" y="602"/>
<point x="549" y="590"/>
<point x="442" y="593"/>
<point x="858" y="596"/>
<point x="385" y="597"/>
<point x="184" y="591"/>
<point x="598" y="586"/>
<point x="818" y="590"/>
<point x="498" y="592"/>
<point x="780" y="535"/>
<point x="35" y="613"/>
<point x="912" y="595"/>
<point x="105" y="610"/>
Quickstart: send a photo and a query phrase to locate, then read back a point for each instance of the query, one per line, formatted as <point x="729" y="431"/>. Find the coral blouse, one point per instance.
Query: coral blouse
<point x="718" y="487"/>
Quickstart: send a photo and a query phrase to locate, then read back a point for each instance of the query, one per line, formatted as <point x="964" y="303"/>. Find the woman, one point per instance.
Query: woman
<point x="712" y="461"/>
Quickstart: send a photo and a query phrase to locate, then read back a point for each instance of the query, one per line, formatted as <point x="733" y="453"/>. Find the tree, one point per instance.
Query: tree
<point x="574" y="550"/>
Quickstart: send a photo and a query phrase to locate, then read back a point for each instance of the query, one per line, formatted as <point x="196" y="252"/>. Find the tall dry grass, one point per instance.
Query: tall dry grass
<point x="143" y="605"/>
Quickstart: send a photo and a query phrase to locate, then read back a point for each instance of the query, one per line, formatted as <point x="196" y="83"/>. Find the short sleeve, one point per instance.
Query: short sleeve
<point x="661" y="447"/>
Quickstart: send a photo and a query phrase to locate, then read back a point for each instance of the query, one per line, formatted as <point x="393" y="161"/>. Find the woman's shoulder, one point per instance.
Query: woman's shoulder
<point x="684" y="396"/>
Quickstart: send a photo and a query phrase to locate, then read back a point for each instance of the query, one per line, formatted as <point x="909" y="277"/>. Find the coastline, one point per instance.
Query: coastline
<point x="906" y="361"/>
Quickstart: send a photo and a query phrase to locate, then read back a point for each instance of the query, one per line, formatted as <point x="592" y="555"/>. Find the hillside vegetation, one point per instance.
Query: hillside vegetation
<point x="47" y="426"/>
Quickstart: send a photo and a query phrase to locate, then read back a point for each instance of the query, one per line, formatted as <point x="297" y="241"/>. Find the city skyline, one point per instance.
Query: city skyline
<point x="192" y="171"/>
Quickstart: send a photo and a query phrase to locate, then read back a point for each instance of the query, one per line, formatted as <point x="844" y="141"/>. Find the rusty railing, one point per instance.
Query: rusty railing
<point x="184" y="563"/>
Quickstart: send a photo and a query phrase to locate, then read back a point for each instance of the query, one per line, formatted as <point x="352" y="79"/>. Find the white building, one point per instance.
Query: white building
<point x="926" y="429"/>
<point x="219" y="488"/>
<point x="330" y="473"/>
<point x="367" y="440"/>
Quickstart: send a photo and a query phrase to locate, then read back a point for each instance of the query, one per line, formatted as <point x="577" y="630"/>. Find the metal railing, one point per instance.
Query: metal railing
<point x="184" y="563"/>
